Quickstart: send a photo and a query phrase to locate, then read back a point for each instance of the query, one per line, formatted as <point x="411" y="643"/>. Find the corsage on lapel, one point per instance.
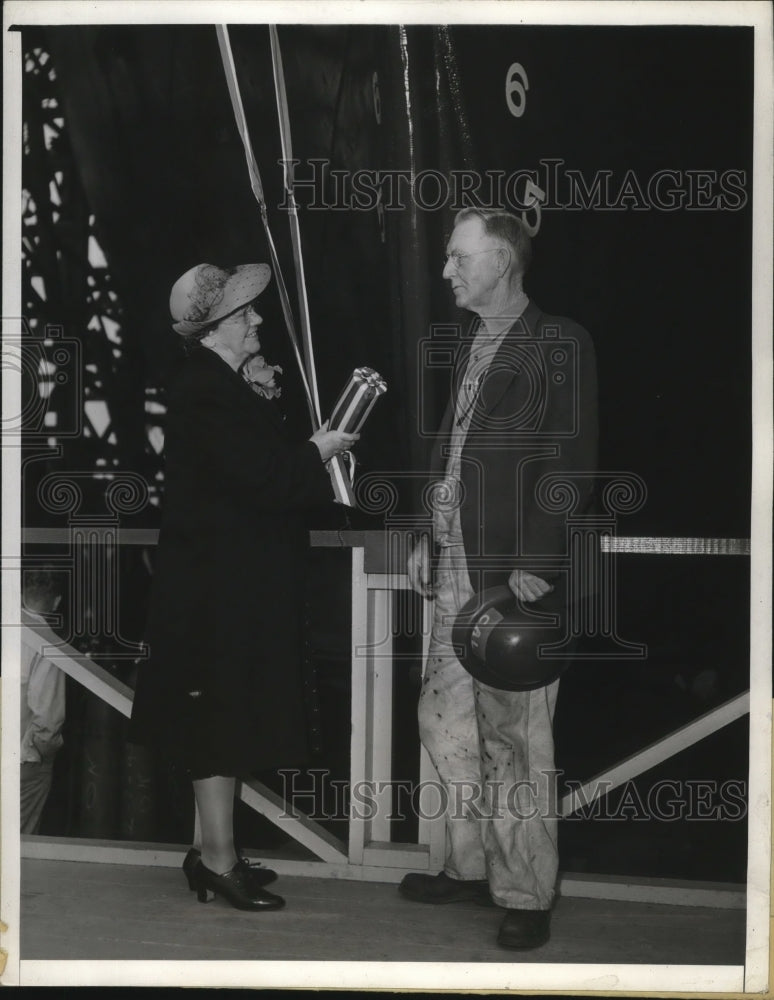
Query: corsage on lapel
<point x="262" y="377"/>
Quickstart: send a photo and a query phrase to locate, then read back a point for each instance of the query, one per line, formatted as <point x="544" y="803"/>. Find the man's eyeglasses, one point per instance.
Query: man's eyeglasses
<point x="458" y="258"/>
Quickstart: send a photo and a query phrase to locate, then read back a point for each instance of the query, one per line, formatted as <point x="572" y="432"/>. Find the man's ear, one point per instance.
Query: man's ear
<point x="503" y="260"/>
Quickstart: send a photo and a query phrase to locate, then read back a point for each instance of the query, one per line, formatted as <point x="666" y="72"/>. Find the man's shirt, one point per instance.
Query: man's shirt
<point x="447" y="528"/>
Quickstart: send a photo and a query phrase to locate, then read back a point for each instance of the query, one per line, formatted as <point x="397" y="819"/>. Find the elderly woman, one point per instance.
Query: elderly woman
<point x="221" y="691"/>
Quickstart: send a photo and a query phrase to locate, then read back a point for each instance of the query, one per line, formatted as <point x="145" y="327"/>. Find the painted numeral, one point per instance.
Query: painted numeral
<point x="516" y="87"/>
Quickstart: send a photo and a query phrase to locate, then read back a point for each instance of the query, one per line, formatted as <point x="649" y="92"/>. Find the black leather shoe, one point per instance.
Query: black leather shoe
<point x="524" y="929"/>
<point x="440" y="888"/>
<point x="236" y="887"/>
<point x="258" y="874"/>
<point x="255" y="871"/>
<point x="190" y="862"/>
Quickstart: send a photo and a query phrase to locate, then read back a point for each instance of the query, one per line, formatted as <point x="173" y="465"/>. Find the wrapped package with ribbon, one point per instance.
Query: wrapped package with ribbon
<point x="349" y="414"/>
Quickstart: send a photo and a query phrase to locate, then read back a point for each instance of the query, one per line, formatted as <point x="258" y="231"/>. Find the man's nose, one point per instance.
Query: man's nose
<point x="449" y="268"/>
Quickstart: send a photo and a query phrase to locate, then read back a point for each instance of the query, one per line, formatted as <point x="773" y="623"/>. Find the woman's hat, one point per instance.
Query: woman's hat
<point x="207" y="293"/>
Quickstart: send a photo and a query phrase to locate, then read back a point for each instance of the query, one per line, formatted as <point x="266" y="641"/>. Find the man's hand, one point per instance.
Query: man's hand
<point x="419" y="571"/>
<point x="527" y="586"/>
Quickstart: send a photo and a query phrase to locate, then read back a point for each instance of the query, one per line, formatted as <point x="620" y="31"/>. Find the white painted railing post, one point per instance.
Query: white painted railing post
<point x="358" y="768"/>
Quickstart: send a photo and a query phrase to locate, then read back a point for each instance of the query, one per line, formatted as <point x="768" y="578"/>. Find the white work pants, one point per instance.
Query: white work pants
<point x="494" y="753"/>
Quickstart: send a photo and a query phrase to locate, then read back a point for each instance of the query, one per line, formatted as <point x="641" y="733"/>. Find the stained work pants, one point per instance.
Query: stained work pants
<point x="494" y="753"/>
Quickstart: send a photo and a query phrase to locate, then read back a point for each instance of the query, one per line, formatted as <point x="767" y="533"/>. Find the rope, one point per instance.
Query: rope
<point x="307" y="370"/>
<point x="295" y="231"/>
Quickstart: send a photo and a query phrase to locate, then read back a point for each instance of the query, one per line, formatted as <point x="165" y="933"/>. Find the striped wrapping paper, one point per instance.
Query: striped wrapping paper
<point x="349" y="414"/>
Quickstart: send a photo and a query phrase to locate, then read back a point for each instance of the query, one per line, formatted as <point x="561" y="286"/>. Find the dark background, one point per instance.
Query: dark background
<point x="157" y="160"/>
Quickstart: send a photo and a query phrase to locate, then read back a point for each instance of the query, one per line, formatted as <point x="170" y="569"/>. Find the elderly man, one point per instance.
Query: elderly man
<point x="523" y="406"/>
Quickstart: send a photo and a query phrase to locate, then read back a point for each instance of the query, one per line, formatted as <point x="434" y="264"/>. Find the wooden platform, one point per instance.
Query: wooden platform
<point x="77" y="910"/>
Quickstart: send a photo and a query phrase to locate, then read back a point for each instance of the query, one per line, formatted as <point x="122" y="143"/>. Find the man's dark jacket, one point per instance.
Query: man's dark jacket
<point x="534" y="425"/>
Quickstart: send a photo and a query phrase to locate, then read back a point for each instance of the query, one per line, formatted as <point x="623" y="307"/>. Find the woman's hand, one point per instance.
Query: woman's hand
<point x="330" y="443"/>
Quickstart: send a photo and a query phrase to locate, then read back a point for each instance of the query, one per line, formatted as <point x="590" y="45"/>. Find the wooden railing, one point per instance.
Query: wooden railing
<point x="377" y="573"/>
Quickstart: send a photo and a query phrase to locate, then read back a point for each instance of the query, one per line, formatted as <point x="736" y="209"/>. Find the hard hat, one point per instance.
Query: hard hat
<point x="505" y="646"/>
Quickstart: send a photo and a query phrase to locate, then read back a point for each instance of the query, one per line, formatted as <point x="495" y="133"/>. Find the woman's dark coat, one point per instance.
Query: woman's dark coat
<point x="222" y="687"/>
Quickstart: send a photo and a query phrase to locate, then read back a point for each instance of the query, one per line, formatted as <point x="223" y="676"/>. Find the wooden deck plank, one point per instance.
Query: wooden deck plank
<point x="74" y="910"/>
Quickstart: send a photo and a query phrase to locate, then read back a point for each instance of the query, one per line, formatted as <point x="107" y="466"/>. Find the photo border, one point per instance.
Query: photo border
<point x="754" y="976"/>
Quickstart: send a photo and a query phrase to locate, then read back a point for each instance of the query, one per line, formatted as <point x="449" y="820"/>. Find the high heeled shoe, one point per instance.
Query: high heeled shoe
<point x="235" y="886"/>
<point x="259" y="875"/>
<point x="190" y="862"/>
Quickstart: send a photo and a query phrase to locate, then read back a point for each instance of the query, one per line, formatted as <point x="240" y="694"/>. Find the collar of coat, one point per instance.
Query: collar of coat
<point x="243" y="395"/>
<point x="526" y="327"/>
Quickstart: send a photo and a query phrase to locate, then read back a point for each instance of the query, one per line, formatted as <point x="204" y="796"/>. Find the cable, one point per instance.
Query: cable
<point x="307" y="373"/>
